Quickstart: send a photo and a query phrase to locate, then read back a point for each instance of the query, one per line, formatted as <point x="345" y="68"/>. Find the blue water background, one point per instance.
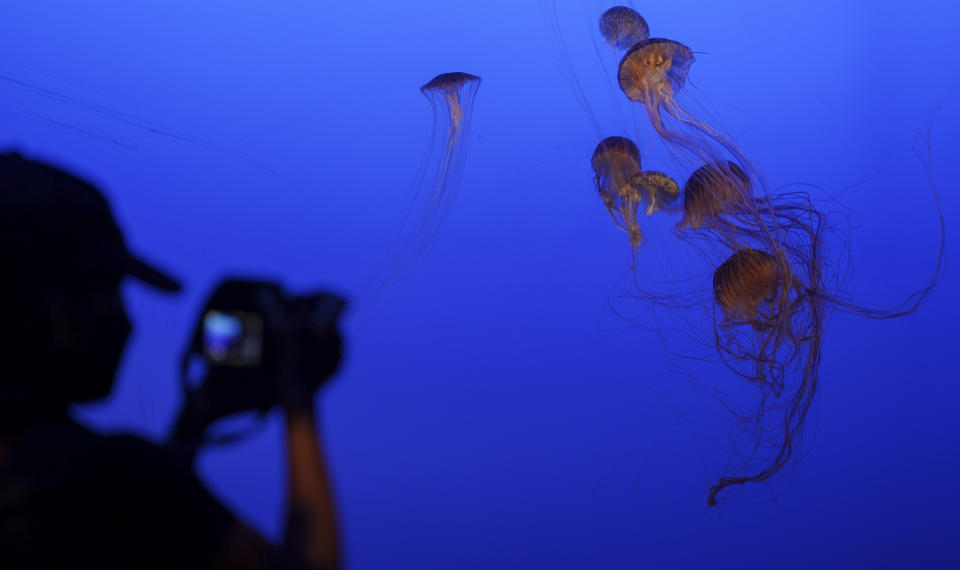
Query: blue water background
<point x="492" y="414"/>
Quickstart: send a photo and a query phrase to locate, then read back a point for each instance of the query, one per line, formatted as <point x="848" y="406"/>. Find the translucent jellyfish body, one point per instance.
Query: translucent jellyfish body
<point x="653" y="72"/>
<point x="712" y="190"/>
<point x="744" y="283"/>
<point x="451" y="96"/>
<point x="659" y="190"/>
<point x="623" y="27"/>
<point x="770" y="334"/>
<point x="623" y="186"/>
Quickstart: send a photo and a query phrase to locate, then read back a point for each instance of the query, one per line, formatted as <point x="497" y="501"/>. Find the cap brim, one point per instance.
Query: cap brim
<point x="138" y="269"/>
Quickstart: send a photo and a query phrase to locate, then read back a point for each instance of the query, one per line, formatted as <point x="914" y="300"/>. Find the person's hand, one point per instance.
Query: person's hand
<point x="311" y="356"/>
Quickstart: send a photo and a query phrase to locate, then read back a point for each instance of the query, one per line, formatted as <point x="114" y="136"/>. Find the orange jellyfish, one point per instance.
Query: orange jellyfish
<point x="653" y="72"/>
<point x="745" y="285"/>
<point x="623" y="186"/>
<point x="623" y="27"/>
<point x="712" y="190"/>
<point x="658" y="188"/>
<point x="451" y="96"/>
<point x="782" y="341"/>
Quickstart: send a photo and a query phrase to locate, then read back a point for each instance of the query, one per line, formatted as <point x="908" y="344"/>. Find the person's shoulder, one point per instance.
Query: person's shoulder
<point x="120" y="494"/>
<point x="71" y="446"/>
<point x="52" y="451"/>
<point x="136" y="452"/>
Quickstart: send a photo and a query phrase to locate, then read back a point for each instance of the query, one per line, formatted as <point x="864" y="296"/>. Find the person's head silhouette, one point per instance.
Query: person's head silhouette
<point x="64" y="324"/>
<point x="72" y="497"/>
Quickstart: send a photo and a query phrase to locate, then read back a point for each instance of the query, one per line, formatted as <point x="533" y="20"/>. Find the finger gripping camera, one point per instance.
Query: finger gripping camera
<point x="259" y="347"/>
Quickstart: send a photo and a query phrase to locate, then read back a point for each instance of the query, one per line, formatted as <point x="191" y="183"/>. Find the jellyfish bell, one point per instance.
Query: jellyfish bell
<point x="659" y="189"/>
<point x="451" y="88"/>
<point x="623" y="27"/>
<point x="653" y="70"/>
<point x="449" y="82"/>
<point x="615" y="161"/>
<point x="712" y="190"/>
<point x="744" y="283"/>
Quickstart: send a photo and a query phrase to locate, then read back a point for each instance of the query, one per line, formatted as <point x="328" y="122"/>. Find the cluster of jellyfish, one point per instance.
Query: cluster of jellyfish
<point x="773" y="280"/>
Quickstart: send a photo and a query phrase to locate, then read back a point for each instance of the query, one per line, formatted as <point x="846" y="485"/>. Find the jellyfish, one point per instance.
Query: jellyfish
<point x="659" y="189"/>
<point x="712" y="190"/>
<point x="653" y="72"/>
<point x="773" y="322"/>
<point x="623" y="27"/>
<point x="623" y="186"/>
<point x="746" y="282"/>
<point x="616" y="161"/>
<point x="451" y="96"/>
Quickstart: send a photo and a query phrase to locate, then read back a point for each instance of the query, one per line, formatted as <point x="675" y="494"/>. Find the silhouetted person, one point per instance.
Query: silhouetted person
<point x="70" y="498"/>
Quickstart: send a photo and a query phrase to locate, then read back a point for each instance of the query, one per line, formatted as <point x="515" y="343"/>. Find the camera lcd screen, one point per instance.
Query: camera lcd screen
<point x="232" y="338"/>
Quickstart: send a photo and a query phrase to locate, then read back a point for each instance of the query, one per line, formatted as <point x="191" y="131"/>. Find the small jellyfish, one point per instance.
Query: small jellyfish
<point x="453" y="89"/>
<point x="659" y="189"/>
<point x="712" y="190"/>
<point x="623" y="186"/>
<point x="746" y="281"/>
<point x="623" y="27"/>
<point x="451" y="96"/>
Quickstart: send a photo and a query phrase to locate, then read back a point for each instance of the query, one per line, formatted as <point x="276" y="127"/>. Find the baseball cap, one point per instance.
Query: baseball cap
<point x="55" y="223"/>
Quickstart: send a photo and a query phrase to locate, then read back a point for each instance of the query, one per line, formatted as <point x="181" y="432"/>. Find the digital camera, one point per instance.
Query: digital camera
<point x="254" y="342"/>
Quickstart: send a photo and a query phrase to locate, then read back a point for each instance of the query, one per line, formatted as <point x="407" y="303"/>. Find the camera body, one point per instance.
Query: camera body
<point x="260" y="347"/>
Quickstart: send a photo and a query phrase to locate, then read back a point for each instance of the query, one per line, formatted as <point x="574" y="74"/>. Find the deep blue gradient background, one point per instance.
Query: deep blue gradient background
<point x="493" y="414"/>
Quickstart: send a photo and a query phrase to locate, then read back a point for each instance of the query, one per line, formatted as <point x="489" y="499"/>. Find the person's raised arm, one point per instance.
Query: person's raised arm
<point x="311" y="533"/>
<point x="311" y="539"/>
